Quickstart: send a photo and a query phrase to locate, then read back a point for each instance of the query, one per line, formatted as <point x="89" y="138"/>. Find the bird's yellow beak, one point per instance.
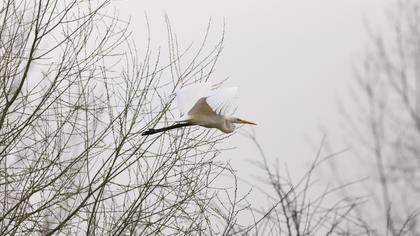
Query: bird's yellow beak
<point x="242" y="121"/>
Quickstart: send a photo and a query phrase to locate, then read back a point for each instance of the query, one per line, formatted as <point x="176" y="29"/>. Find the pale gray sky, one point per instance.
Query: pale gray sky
<point x="291" y="60"/>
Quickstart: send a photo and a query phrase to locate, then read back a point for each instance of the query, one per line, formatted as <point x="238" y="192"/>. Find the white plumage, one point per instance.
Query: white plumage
<point x="188" y="96"/>
<point x="222" y="101"/>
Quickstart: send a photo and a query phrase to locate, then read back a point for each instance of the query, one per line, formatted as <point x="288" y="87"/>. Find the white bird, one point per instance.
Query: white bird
<point x="200" y="105"/>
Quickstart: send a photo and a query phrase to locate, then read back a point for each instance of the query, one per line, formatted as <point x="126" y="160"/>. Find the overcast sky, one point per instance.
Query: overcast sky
<point x="291" y="60"/>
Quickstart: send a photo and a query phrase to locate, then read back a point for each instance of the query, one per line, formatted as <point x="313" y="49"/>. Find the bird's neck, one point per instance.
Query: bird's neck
<point x="228" y="126"/>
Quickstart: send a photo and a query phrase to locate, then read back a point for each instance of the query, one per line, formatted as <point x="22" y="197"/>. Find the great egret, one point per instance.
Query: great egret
<point x="200" y="105"/>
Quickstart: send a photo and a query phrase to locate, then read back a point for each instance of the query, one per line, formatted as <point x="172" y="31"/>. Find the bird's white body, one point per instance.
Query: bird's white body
<point x="200" y="105"/>
<point x="202" y="114"/>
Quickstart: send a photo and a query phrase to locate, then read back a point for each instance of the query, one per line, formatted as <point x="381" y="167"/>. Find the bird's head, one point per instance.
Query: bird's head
<point x="237" y="120"/>
<point x="229" y="125"/>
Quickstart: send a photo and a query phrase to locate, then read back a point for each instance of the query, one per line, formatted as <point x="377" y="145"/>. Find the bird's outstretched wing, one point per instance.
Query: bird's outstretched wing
<point x="223" y="101"/>
<point x="188" y="96"/>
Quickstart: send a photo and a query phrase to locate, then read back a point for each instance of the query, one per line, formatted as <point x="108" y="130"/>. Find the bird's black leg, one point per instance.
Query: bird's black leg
<point x="154" y="131"/>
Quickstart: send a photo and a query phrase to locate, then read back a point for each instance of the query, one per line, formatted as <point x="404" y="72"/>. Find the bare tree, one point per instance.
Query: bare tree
<point x="305" y="206"/>
<point x="385" y="122"/>
<point x="75" y="97"/>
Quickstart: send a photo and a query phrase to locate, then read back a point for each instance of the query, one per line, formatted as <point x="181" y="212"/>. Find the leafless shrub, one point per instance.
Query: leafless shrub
<point x="75" y="98"/>
<point x="301" y="207"/>
<point x="384" y="124"/>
